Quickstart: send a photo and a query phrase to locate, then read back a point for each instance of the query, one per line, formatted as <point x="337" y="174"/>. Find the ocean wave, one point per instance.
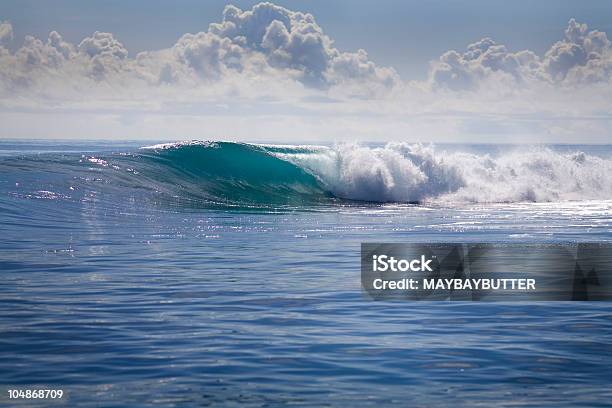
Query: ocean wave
<point x="399" y="172"/>
<point x="230" y="173"/>
<point x="242" y="174"/>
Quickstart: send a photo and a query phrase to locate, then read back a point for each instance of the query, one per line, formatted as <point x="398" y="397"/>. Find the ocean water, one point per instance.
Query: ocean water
<point x="197" y="274"/>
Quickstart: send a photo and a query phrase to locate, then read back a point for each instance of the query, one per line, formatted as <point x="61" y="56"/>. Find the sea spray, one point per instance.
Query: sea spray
<point x="401" y="172"/>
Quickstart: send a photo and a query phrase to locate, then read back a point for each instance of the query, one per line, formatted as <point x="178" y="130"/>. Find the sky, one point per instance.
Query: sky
<point x="304" y="71"/>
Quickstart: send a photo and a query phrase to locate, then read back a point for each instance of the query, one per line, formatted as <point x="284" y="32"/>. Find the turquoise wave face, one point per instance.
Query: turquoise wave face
<point x="229" y="174"/>
<point x="190" y="174"/>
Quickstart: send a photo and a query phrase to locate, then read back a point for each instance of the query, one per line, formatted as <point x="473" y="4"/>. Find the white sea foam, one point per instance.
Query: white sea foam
<point x="410" y="173"/>
<point x="177" y="145"/>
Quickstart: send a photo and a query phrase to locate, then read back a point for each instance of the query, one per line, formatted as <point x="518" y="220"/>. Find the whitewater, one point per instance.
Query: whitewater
<point x="412" y="173"/>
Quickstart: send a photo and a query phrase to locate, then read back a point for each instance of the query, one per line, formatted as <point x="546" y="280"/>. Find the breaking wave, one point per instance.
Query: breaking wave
<point x="240" y="174"/>
<point x="397" y="172"/>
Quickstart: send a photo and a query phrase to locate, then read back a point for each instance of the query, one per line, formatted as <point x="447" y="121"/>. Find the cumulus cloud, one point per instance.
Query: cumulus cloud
<point x="209" y="55"/>
<point x="581" y="56"/>
<point x="34" y="60"/>
<point x="482" y="59"/>
<point x="288" y="41"/>
<point x="103" y="44"/>
<point x="265" y="41"/>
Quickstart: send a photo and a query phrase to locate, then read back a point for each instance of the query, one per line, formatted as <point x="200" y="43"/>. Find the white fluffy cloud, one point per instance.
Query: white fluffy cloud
<point x="582" y="56"/>
<point x="481" y="60"/>
<point x="267" y="40"/>
<point x="289" y="42"/>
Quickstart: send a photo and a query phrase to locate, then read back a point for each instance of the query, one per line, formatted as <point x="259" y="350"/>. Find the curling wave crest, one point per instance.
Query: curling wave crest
<point x="396" y="172"/>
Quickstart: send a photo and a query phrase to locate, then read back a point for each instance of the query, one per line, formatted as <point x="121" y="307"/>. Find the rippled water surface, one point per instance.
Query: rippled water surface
<point x="126" y="296"/>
